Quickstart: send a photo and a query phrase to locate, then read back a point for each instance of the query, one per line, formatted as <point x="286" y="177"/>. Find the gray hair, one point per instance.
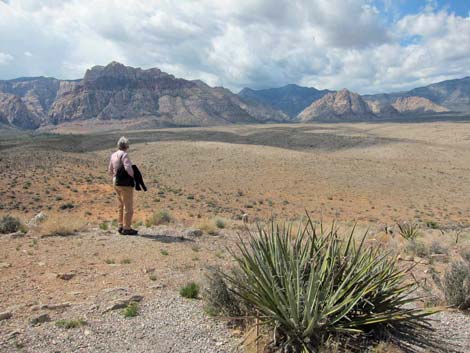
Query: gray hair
<point x="123" y="143"/>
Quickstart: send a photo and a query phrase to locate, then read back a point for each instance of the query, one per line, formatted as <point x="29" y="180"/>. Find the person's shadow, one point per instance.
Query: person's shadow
<point x="166" y="238"/>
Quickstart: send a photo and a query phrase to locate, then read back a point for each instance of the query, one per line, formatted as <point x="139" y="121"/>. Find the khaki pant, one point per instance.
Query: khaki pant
<point x="125" y="195"/>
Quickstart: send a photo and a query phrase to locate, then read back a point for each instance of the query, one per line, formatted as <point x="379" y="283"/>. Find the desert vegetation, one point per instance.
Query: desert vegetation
<point x="315" y="285"/>
<point x="210" y="187"/>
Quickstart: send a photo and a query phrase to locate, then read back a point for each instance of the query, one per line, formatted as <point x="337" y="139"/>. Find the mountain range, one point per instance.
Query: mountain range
<point x="121" y="93"/>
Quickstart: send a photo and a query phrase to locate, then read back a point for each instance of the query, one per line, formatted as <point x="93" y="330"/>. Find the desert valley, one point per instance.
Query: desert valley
<point x="217" y="165"/>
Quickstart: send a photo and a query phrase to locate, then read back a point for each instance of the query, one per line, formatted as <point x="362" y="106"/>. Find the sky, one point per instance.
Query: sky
<point x="368" y="46"/>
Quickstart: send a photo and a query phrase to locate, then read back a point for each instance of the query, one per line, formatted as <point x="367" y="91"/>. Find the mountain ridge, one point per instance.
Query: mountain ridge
<point x="118" y="92"/>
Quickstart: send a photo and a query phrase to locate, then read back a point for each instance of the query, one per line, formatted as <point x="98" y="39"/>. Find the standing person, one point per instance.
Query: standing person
<point x="120" y="168"/>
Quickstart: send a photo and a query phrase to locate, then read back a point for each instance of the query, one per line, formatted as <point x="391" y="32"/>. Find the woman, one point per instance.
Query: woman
<point x="120" y="168"/>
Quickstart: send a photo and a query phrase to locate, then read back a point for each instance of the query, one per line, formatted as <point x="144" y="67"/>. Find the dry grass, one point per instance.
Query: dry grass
<point x="208" y="226"/>
<point x="61" y="226"/>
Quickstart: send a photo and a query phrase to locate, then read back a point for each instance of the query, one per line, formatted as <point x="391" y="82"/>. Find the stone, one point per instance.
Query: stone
<point x="38" y="219"/>
<point x="66" y="276"/>
<point x="50" y="306"/>
<point x="148" y="270"/>
<point x="5" y="315"/>
<point x="192" y="233"/>
<point x="122" y="303"/>
<point x="17" y="235"/>
<point x="5" y="265"/>
<point x="42" y="318"/>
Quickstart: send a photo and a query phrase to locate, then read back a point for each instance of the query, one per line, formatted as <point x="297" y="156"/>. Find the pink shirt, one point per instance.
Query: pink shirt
<point x="115" y="163"/>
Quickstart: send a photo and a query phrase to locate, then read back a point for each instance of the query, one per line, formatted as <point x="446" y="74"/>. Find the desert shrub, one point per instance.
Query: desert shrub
<point x="465" y="253"/>
<point x="208" y="227"/>
<point x="160" y="217"/>
<point x="457" y="285"/>
<point x="104" y="226"/>
<point x="438" y="248"/>
<point x="417" y="247"/>
<point x="219" y="223"/>
<point x="219" y="298"/>
<point x="432" y="224"/>
<point x="62" y="226"/>
<point x="9" y="224"/>
<point x="67" y="206"/>
<point x="68" y="324"/>
<point x="131" y="310"/>
<point x="312" y="285"/>
<point x="409" y="231"/>
<point x="190" y="291"/>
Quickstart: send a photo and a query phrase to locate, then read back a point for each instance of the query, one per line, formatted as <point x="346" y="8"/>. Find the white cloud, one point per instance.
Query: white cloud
<point x="236" y="43"/>
<point x="5" y="58"/>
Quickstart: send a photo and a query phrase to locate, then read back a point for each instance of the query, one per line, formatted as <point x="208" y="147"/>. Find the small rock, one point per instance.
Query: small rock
<point x="122" y="303"/>
<point x="192" y="232"/>
<point x="5" y="265"/>
<point x="50" y="306"/>
<point x="5" y="315"/>
<point x="66" y="276"/>
<point x="158" y="286"/>
<point x="115" y="289"/>
<point x="40" y="319"/>
<point x="149" y="270"/>
<point x="16" y="235"/>
<point x="38" y="219"/>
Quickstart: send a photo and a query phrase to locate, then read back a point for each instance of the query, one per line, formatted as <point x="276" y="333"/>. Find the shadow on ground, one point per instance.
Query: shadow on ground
<point x="165" y="238"/>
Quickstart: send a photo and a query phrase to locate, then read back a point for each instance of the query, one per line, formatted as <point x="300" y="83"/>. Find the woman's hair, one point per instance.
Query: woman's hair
<point x="123" y="143"/>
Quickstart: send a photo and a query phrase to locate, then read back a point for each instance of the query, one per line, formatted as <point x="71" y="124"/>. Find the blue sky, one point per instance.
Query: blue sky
<point x="367" y="46"/>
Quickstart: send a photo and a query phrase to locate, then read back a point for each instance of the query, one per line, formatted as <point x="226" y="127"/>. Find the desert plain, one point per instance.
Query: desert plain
<point x="373" y="174"/>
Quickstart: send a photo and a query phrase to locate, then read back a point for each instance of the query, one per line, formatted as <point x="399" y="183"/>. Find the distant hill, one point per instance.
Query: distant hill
<point x="451" y="94"/>
<point x="291" y="99"/>
<point x="341" y="105"/>
<point x="116" y="92"/>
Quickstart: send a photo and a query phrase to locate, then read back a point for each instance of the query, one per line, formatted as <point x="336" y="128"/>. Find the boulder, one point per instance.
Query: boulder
<point x="5" y="315"/>
<point x="192" y="233"/>
<point x="39" y="319"/>
<point x="122" y="303"/>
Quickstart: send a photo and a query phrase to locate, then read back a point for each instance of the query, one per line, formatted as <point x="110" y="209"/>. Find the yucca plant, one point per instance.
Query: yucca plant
<point x="409" y="231"/>
<point x="314" y="285"/>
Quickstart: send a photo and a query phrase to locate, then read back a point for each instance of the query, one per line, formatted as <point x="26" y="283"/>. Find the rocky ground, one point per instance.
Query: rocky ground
<point x="165" y="323"/>
<point x="87" y="279"/>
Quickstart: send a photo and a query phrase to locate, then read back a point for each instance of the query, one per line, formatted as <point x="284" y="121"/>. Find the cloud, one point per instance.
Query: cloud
<point x="237" y="43"/>
<point x="5" y="58"/>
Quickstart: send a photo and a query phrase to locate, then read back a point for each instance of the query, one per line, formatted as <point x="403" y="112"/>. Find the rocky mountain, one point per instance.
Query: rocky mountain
<point x="454" y="95"/>
<point x="291" y="99"/>
<point x="118" y="92"/>
<point x="341" y="105"/>
<point x="415" y="104"/>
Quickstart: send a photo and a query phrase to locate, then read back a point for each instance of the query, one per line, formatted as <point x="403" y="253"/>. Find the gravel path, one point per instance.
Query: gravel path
<point x="454" y="327"/>
<point x="170" y="324"/>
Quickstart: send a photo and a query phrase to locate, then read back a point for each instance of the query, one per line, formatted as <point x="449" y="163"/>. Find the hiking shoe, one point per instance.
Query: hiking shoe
<point x="129" y="232"/>
<point x="120" y="229"/>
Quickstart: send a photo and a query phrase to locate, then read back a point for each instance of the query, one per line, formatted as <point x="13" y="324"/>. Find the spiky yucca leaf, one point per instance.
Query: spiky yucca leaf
<point x="312" y="285"/>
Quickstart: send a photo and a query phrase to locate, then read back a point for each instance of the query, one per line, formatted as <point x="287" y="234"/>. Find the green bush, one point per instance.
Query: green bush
<point x="160" y="217"/>
<point x="191" y="291"/>
<point x="104" y="226"/>
<point x="314" y="285"/>
<point x="131" y="310"/>
<point x="9" y="224"/>
<point x="219" y="223"/>
<point x="68" y="324"/>
<point x="457" y="285"/>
